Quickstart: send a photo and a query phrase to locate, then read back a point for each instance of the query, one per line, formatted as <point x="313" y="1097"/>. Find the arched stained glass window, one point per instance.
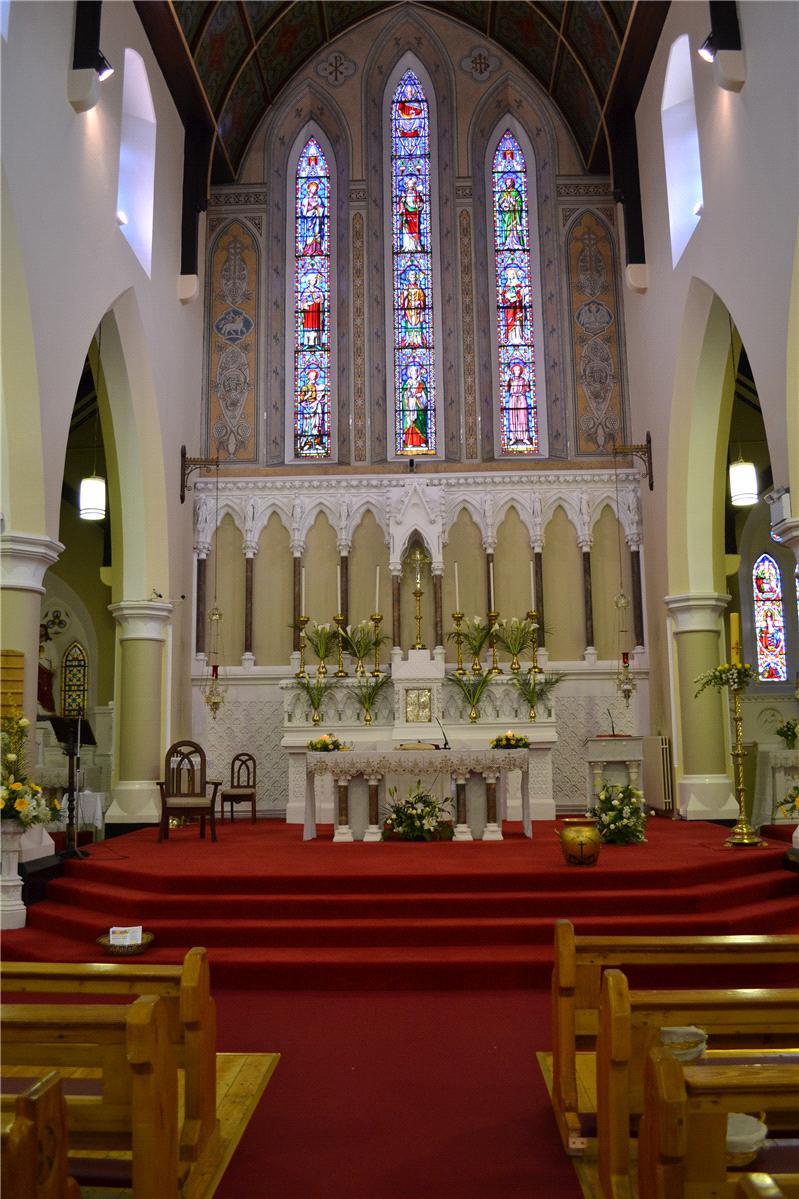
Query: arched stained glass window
<point x="518" y="415"/>
<point x="414" y="374"/>
<point x="768" y="621"/>
<point x="74" y="680"/>
<point x="312" y="437"/>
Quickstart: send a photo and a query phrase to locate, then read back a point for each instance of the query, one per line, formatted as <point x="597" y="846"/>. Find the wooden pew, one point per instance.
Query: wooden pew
<point x="191" y="1012"/>
<point x="579" y="962"/>
<point x="137" y="1110"/>
<point x="684" y="1126"/>
<point x="33" y="1155"/>
<point x="629" y="1027"/>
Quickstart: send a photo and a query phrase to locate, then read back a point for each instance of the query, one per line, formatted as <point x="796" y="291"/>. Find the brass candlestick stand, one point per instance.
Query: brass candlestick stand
<point x="341" y="672"/>
<point x="493" y="617"/>
<point x="457" y="618"/>
<point x="302" y="673"/>
<point x="534" y="667"/>
<point x="377" y="620"/>
<point x="743" y="833"/>
<point x="417" y="560"/>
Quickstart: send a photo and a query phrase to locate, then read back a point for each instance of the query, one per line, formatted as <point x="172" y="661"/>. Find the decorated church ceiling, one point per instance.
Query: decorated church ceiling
<point x="227" y="62"/>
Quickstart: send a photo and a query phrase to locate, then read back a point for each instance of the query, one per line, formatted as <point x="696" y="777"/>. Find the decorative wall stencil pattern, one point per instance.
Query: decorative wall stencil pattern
<point x="480" y="63"/>
<point x="467" y="325"/>
<point x="358" y="338"/>
<point x="232" y="312"/>
<point x="595" y="334"/>
<point x="262" y="720"/>
<point x="580" y="717"/>
<point x="336" y="68"/>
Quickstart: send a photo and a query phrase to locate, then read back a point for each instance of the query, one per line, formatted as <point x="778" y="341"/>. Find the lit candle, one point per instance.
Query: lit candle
<point x="377" y="589"/>
<point x="302" y="592"/>
<point x="491" y="584"/>
<point x="338" y="587"/>
<point x="532" y="587"/>
<point x="735" y="637"/>
<point x="457" y="591"/>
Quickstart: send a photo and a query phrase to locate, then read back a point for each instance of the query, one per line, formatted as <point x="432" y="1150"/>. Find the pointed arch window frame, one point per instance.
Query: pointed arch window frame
<point x="763" y="653"/>
<point x="308" y="132"/>
<point x="508" y="122"/>
<point x="74" y="650"/>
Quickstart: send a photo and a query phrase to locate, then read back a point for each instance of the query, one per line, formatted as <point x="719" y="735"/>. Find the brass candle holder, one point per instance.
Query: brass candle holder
<point x="341" y="672"/>
<point x="457" y="617"/>
<point x="532" y="616"/>
<point x="493" y="617"/>
<point x="377" y="619"/>
<point x="743" y="833"/>
<point x="302" y="673"/>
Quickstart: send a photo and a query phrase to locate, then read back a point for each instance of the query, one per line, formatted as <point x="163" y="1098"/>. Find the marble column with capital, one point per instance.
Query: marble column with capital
<point x="142" y="626"/>
<point x="24" y="561"/>
<point x="706" y="791"/>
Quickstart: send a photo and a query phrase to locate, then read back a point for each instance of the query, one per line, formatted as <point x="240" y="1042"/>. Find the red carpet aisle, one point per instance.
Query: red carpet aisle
<point x="397" y="1096"/>
<point x="279" y="913"/>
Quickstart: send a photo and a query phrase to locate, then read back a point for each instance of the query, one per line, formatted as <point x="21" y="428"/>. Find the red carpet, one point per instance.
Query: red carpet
<point x="278" y="912"/>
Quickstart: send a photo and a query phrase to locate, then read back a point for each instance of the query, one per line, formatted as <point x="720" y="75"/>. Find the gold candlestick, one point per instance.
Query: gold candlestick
<point x="377" y="620"/>
<point x="743" y="833"/>
<point x="493" y="617"/>
<point x="302" y="673"/>
<point x="457" y="618"/>
<point x="534" y="667"/>
<point x="341" y="672"/>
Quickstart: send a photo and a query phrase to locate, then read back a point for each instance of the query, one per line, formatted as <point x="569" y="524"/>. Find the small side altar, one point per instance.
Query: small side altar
<point x="615" y="758"/>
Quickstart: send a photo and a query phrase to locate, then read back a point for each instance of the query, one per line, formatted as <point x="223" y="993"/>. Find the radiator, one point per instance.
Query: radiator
<point x="658" y="774"/>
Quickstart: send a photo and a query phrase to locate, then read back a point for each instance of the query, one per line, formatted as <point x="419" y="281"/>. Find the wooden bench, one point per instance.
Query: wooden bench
<point x="766" y="1186"/>
<point x="630" y="1023"/>
<point x="191" y="1013"/>
<point x="683" y="1130"/>
<point x="579" y="962"/>
<point x="137" y="1109"/>
<point x="33" y="1154"/>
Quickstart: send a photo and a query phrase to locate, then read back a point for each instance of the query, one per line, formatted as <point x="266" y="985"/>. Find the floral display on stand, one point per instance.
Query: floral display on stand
<point x="21" y="801"/>
<point x="315" y="691"/>
<point x="789" y="806"/>
<point x="789" y="732"/>
<point x="619" y="814"/>
<point x="509" y="740"/>
<point x="325" y="744"/>
<point x="735" y="675"/>
<point x="418" y="817"/>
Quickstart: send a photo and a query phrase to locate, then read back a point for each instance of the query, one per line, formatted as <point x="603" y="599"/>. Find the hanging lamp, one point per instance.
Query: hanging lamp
<point x="743" y="483"/>
<point x="91" y="494"/>
<point x="214" y="688"/>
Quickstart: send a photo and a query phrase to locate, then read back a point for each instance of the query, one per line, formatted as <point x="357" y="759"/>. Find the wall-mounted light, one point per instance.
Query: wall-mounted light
<point x="103" y="67"/>
<point x="89" y="65"/>
<point x="722" y="46"/>
<point x="743" y="484"/>
<point x="708" y="49"/>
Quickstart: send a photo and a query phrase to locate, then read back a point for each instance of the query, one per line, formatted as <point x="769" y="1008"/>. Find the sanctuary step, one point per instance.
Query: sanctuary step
<point x="278" y="912"/>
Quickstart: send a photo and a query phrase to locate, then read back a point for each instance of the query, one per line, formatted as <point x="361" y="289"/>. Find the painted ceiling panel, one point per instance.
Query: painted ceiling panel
<point x="295" y="37"/>
<point x="191" y="14"/>
<point x="528" y="35"/>
<point x="574" y="97"/>
<point x="262" y="13"/>
<point x="553" y="9"/>
<point x="221" y="51"/>
<point x="591" y="34"/>
<point x="340" y="14"/>
<point x="243" y="111"/>
<point x="471" y="11"/>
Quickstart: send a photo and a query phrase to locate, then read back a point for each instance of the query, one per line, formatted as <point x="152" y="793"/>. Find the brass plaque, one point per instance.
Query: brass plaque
<point x="418" y="705"/>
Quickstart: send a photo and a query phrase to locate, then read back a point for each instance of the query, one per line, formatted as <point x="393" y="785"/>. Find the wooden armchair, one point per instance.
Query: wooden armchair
<point x="242" y="784"/>
<point x="185" y="789"/>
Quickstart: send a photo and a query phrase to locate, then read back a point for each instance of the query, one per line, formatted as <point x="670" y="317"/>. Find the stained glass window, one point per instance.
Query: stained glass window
<point x="518" y="416"/>
<point x="312" y="305"/>
<point x="414" y="374"/>
<point x="768" y="621"/>
<point x="74" y="681"/>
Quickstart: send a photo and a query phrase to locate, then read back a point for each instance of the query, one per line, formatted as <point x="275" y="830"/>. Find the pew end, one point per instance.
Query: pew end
<point x="34" y="1162"/>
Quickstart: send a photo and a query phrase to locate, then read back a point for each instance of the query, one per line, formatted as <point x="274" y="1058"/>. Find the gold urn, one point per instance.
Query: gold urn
<point x="580" y="840"/>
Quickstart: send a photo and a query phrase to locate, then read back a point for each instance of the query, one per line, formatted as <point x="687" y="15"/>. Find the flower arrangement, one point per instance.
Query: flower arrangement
<point x="536" y="687"/>
<point x="735" y="675"/>
<point x="619" y="816"/>
<point x="514" y="635"/>
<point x="472" y="689"/>
<point x="418" y="817"/>
<point x="359" y="640"/>
<point x="789" y="806"/>
<point x="325" y="744"/>
<point x="474" y="633"/>
<point x="789" y="732"/>
<point x="21" y="800"/>
<point x="367" y="689"/>
<point x="509" y="740"/>
<point x="322" y="640"/>
<point x="315" y="691"/>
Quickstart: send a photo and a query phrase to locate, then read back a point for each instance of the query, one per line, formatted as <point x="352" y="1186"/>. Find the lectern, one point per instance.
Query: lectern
<point x="71" y="733"/>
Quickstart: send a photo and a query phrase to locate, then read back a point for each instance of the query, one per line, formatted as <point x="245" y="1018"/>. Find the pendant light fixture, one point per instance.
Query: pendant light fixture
<point x="91" y="496"/>
<point x="743" y="476"/>
<point x="214" y="688"/>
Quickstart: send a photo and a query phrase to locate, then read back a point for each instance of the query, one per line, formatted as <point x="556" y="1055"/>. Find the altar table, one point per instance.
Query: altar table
<point x="508" y="767"/>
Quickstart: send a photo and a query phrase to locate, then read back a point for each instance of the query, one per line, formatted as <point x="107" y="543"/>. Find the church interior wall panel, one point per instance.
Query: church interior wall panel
<point x="465" y="546"/>
<point x="369" y="550"/>
<point x="319" y="561"/>
<point x="249" y="721"/>
<point x="225" y="575"/>
<point x="563" y="590"/>
<point x="273" y="595"/>
<point x="511" y="573"/>
<point x="611" y="574"/>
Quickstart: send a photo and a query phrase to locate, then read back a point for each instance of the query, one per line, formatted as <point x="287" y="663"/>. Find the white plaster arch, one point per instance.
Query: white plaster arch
<point x="377" y="510"/>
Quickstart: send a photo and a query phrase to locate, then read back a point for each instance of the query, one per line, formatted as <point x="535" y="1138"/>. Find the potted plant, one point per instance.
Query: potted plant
<point x="472" y="689"/>
<point x="359" y="641"/>
<point x="322" y="639"/>
<point x="788" y="732"/>
<point x="535" y="687"/>
<point x="619" y="814"/>
<point x="315" y="691"/>
<point x="418" y="817"/>
<point x="367" y="690"/>
<point x="514" y="636"/>
<point x="474" y="633"/>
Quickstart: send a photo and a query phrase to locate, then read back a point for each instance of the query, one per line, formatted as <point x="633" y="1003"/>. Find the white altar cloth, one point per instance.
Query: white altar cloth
<point x="509" y="767"/>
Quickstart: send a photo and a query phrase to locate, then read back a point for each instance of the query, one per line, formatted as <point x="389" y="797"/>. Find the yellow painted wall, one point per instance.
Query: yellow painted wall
<point x="465" y="547"/>
<point x="511" y="567"/>
<point x="227" y="582"/>
<point x="369" y="550"/>
<point x="273" y="589"/>
<point x="564" y="618"/>
<point x="319" y="561"/>
<point x="613" y="630"/>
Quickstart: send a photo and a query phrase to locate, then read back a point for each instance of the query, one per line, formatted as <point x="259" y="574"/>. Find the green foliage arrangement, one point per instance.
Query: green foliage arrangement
<point x="418" y="817"/>
<point x="509" y="740"/>
<point x="735" y="675"/>
<point x="535" y="687"/>
<point x="359" y="639"/>
<point x="367" y="690"/>
<point x="315" y="691"/>
<point x="21" y="800"/>
<point x="788" y="732"/>
<point x="472" y="688"/>
<point x="322" y="639"/>
<point x="475" y="633"/>
<point x="619" y="815"/>
<point x="514" y="635"/>
<point x="325" y="744"/>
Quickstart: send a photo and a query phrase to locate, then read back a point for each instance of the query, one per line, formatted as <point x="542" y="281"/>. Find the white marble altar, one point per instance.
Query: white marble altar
<point x="614" y="759"/>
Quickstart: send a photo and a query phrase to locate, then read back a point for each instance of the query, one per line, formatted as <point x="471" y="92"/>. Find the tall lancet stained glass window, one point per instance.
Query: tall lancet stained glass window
<point x="414" y="373"/>
<point x="768" y="621"/>
<point x="518" y="416"/>
<point x="312" y="305"/>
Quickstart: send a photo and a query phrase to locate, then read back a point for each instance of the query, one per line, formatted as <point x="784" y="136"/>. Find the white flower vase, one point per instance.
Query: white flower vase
<point x="12" y="909"/>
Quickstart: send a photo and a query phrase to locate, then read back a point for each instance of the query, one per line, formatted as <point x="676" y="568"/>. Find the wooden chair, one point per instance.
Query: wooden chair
<point x="242" y="784"/>
<point x="184" y="788"/>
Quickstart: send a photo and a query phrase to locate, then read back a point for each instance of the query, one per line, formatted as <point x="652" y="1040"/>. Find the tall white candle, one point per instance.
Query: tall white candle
<point x="302" y="593"/>
<point x="532" y="586"/>
<point x="491" y="584"/>
<point x="457" y="591"/>
<point x="377" y="589"/>
<point x="338" y="587"/>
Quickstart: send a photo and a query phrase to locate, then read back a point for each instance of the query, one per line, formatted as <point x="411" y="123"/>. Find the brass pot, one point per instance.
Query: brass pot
<point x="580" y="840"/>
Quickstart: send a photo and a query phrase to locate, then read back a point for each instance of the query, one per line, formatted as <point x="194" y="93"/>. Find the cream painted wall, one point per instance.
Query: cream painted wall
<point x="610" y="575"/>
<point x="369" y="550"/>
<point x="226" y="586"/>
<point x="465" y="547"/>
<point x="564" y="613"/>
<point x="511" y="567"/>
<point x="273" y="595"/>
<point x="319" y="563"/>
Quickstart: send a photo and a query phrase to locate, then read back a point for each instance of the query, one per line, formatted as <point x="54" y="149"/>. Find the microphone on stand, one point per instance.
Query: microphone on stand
<point x="446" y="744"/>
